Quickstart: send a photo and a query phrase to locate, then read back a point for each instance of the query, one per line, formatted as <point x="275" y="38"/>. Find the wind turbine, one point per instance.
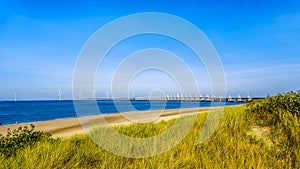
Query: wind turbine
<point x="107" y="95"/>
<point x="80" y="96"/>
<point x="93" y="94"/>
<point x="15" y="95"/>
<point x="60" y="93"/>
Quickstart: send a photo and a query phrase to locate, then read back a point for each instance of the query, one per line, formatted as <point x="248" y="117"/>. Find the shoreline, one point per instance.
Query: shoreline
<point x="68" y="127"/>
<point x="23" y="113"/>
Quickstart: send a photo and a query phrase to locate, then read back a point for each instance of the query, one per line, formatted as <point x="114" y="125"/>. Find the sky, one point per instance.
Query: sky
<point x="258" y="43"/>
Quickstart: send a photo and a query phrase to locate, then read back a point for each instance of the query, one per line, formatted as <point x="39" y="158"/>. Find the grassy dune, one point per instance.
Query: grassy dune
<point x="233" y="145"/>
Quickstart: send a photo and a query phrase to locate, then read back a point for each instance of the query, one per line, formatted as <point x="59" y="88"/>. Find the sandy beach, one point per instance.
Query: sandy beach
<point x="72" y="126"/>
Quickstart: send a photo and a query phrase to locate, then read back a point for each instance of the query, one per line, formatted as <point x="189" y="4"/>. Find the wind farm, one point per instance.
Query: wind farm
<point x="165" y="97"/>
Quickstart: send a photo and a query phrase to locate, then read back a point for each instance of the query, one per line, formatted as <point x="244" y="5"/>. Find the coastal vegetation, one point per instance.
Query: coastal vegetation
<point x="281" y="115"/>
<point x="20" y="138"/>
<point x="262" y="134"/>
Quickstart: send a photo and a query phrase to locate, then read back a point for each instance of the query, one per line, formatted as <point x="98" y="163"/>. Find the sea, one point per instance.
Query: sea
<point x="32" y="111"/>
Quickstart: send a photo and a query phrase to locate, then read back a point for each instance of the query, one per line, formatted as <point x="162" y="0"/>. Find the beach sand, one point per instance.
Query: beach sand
<point x="71" y="126"/>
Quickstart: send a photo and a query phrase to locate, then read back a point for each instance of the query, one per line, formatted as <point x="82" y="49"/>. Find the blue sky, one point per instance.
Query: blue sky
<point x="258" y="43"/>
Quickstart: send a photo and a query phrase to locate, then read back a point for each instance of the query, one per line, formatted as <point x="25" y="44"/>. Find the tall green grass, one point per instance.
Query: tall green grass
<point x="231" y="146"/>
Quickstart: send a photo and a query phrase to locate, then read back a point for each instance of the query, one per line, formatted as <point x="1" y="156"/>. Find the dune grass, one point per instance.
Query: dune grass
<point x="281" y="114"/>
<point x="231" y="146"/>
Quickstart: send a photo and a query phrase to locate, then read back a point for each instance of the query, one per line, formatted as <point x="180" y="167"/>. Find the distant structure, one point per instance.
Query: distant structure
<point x="239" y="98"/>
<point x="177" y="96"/>
<point x="221" y="99"/>
<point x="229" y="99"/>
<point x="15" y="95"/>
<point x="207" y="99"/>
<point x="249" y="98"/>
<point x="60" y="93"/>
<point x="180" y="97"/>
<point x="201" y="98"/>
<point x="213" y="98"/>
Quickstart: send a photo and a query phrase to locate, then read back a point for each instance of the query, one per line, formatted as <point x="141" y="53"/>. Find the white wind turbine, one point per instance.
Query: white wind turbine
<point x="107" y="95"/>
<point x="93" y="92"/>
<point x="15" y="95"/>
<point x="80" y="96"/>
<point x="60" y="93"/>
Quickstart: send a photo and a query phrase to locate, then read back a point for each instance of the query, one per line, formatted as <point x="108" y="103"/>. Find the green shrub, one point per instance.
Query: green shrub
<point x="268" y="111"/>
<point x="20" y="138"/>
<point x="281" y="115"/>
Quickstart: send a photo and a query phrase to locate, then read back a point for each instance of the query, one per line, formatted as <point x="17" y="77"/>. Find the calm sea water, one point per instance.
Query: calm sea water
<point x="31" y="111"/>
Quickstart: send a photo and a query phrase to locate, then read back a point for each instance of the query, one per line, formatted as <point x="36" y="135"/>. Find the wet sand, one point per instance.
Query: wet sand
<point x="72" y="126"/>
